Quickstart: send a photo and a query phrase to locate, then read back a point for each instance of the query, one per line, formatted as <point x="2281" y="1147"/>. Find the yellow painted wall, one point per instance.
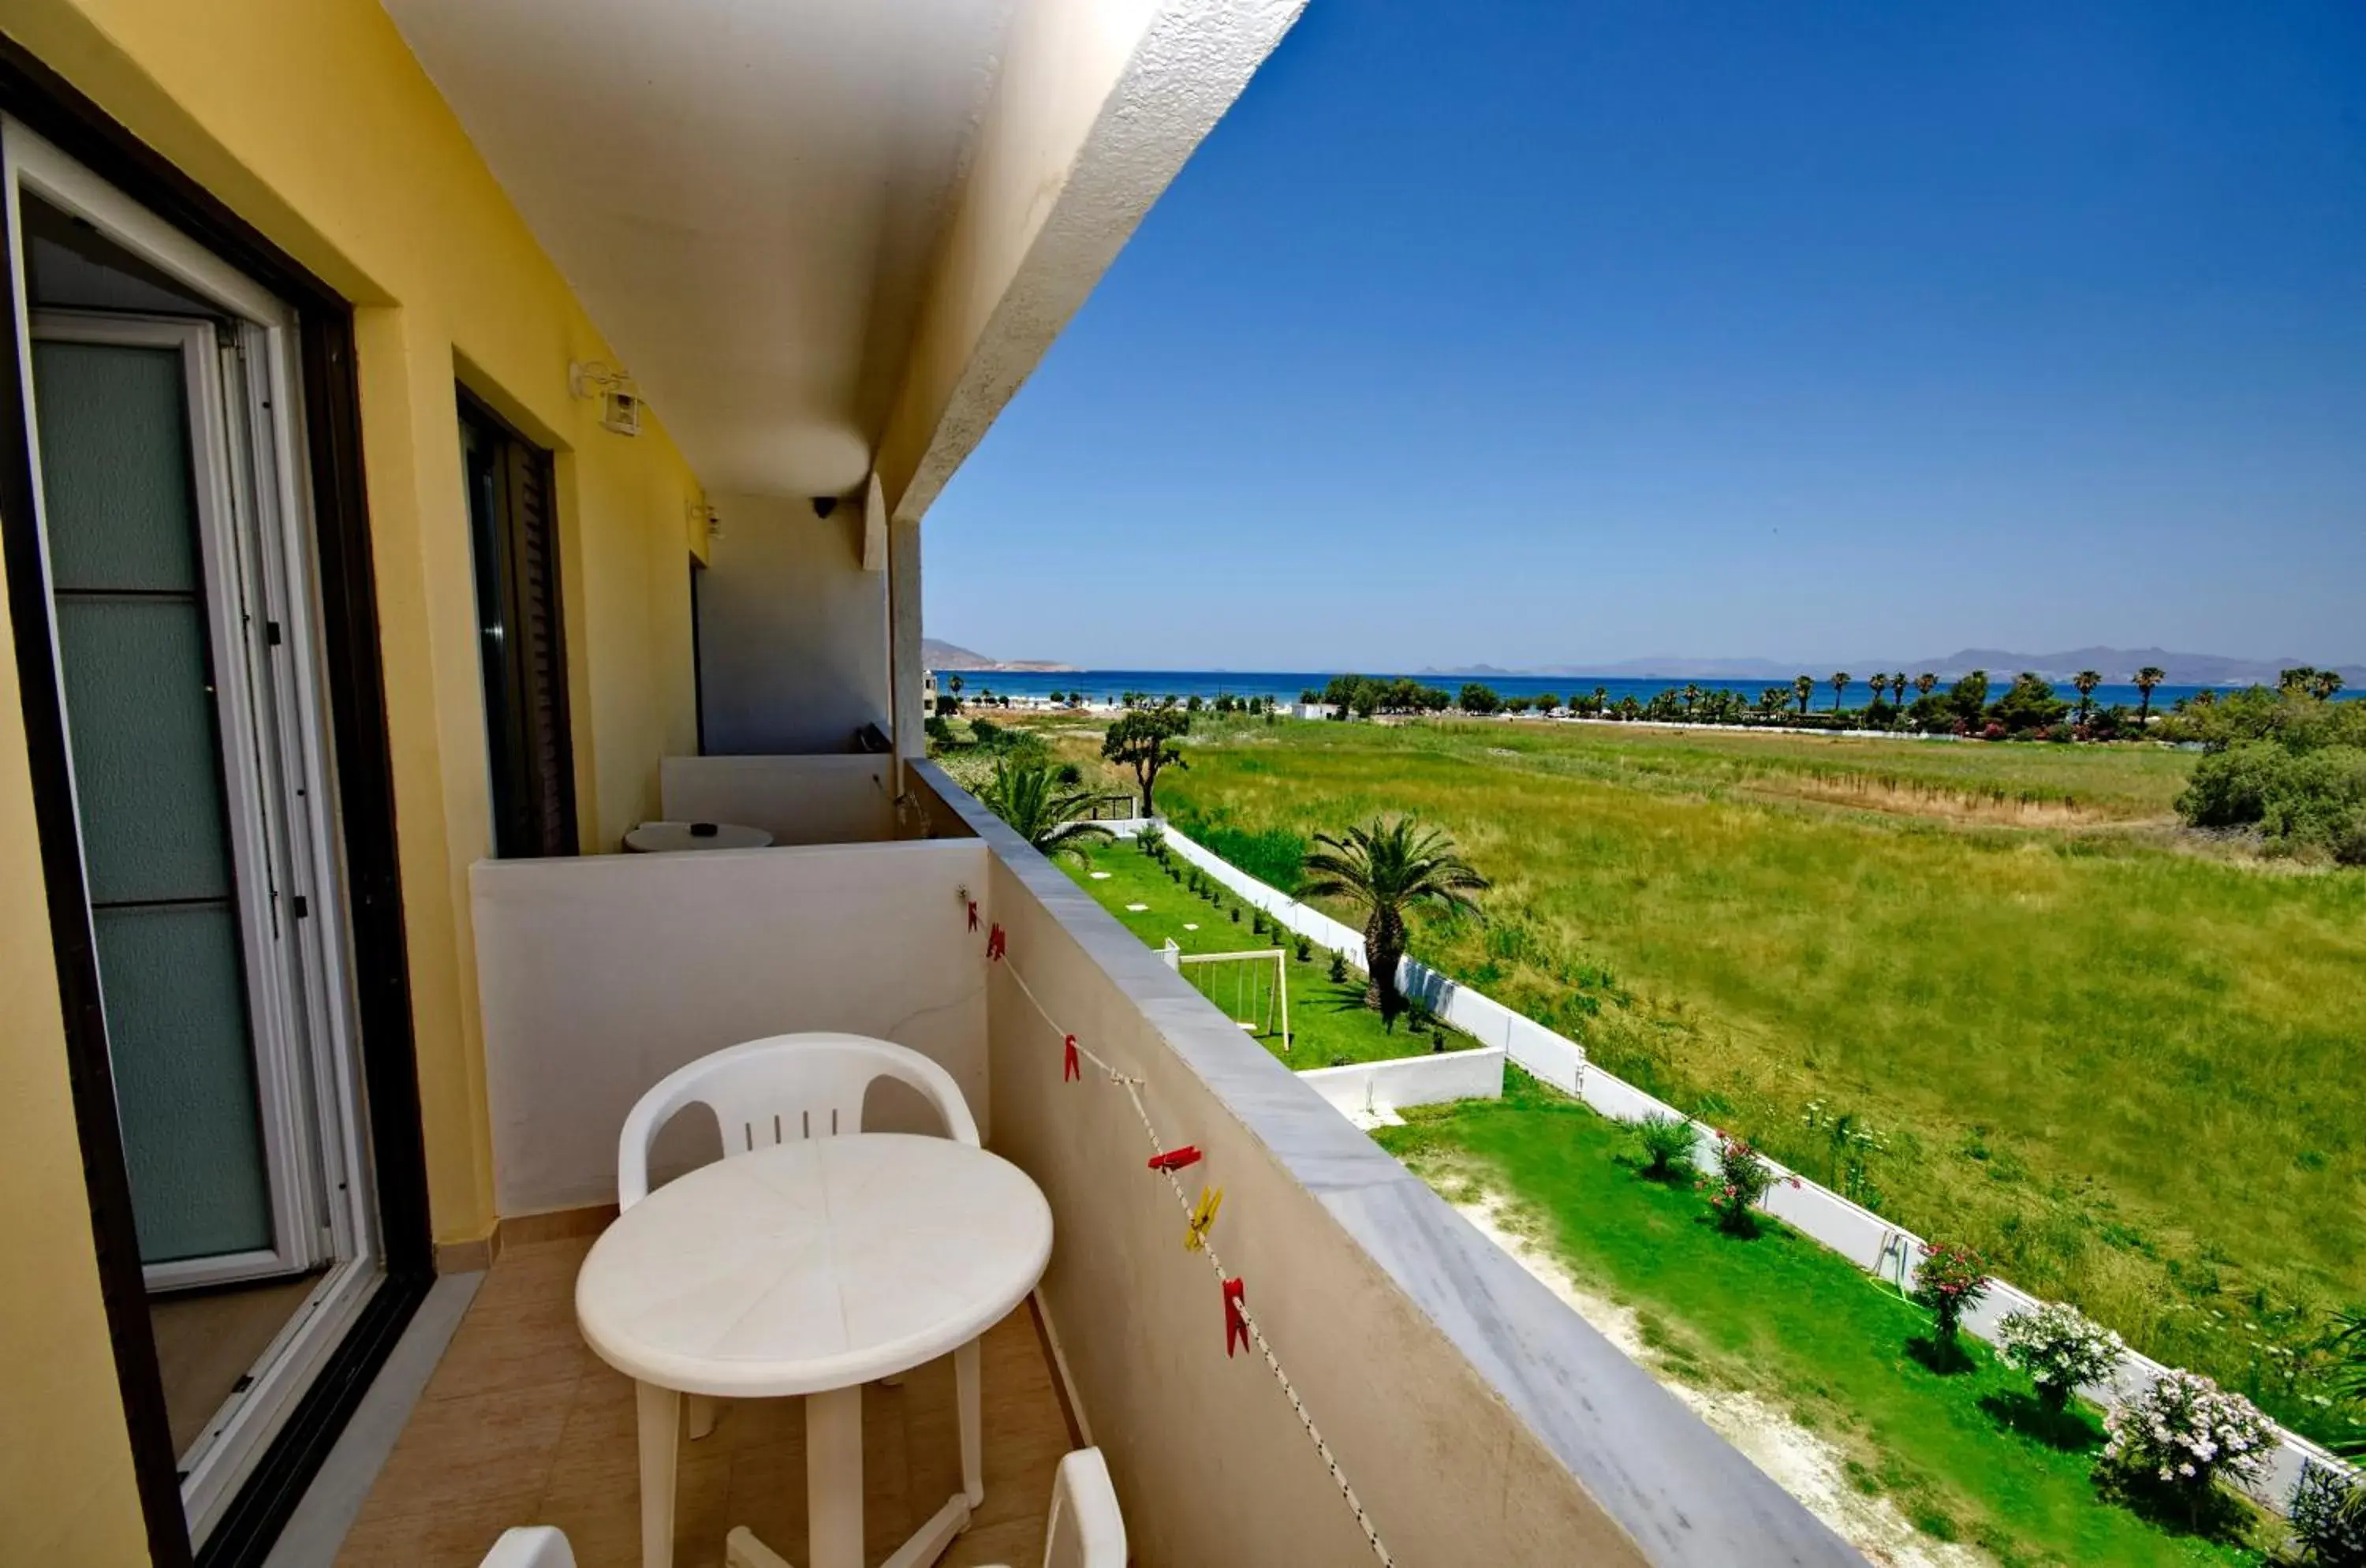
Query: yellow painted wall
<point x="312" y="120"/>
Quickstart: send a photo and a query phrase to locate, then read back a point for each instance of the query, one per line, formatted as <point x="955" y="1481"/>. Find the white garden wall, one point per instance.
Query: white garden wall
<point x="1854" y="1231"/>
<point x="1433" y="1079"/>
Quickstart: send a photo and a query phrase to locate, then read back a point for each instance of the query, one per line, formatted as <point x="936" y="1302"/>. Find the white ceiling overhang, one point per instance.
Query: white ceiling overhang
<point x="802" y="223"/>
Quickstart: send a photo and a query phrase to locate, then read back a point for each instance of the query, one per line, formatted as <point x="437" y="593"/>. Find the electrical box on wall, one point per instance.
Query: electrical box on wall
<point x="620" y="401"/>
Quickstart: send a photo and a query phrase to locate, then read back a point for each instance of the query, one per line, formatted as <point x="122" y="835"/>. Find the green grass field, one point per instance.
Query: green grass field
<point x="1967" y="1455"/>
<point x="1330" y="1025"/>
<point x="2124" y="1065"/>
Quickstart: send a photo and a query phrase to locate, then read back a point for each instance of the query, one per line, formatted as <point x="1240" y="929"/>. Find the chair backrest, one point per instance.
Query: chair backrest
<point x="779" y="1091"/>
<point x="1085" y="1530"/>
<point x="530" y="1546"/>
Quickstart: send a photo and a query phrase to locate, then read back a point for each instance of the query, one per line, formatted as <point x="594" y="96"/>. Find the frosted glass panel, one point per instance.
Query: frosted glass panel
<point x="115" y="467"/>
<point x="143" y="728"/>
<point x="147" y="767"/>
<point x="184" y="1079"/>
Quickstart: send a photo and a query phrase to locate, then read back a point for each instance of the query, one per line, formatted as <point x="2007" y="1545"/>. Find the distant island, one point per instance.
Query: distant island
<point x="950" y="656"/>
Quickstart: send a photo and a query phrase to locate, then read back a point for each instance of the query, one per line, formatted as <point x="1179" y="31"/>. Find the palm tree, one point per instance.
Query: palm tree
<point x="1385" y="867"/>
<point x="1692" y="696"/>
<point x="1804" y="686"/>
<point x="1880" y="684"/>
<point x="2327" y="682"/>
<point x="2148" y="677"/>
<point x="2086" y="680"/>
<point x="1028" y="795"/>
<point x="1840" y="682"/>
<point x="1601" y="698"/>
<point x="955" y="683"/>
<point x="1925" y="681"/>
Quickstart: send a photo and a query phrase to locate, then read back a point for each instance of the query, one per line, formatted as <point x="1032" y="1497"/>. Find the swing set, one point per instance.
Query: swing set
<point x="1260" y="1003"/>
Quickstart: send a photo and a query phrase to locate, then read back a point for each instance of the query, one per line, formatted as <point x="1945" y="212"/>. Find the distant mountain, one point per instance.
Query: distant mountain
<point x="1466" y="672"/>
<point x="2118" y="665"/>
<point x="948" y="656"/>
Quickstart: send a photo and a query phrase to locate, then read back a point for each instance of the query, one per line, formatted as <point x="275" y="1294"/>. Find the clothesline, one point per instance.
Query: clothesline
<point x="1238" y="1315"/>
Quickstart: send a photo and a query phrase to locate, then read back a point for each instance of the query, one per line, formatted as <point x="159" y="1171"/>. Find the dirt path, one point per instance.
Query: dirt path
<point x="1806" y="1466"/>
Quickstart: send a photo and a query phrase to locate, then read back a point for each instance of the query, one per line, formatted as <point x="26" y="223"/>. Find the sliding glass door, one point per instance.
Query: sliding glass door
<point x="152" y="623"/>
<point x="162" y="405"/>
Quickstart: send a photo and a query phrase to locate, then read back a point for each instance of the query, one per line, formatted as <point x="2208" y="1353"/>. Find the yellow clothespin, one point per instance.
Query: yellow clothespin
<point x="1203" y="1215"/>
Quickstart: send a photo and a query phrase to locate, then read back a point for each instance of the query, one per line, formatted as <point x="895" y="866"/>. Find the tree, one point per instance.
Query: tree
<point x="1515" y="704"/>
<point x="1691" y="695"/>
<point x="2327" y="682"/>
<point x="2086" y="680"/>
<point x="1880" y="684"/>
<point x="1804" y="687"/>
<point x="1547" y="701"/>
<point x="2029" y="705"/>
<point x="2148" y="677"/>
<point x="1840" y="682"/>
<point x="953" y="685"/>
<point x="1925" y="683"/>
<point x="1143" y="740"/>
<point x="1773" y="700"/>
<point x="1027" y="793"/>
<point x="1477" y="698"/>
<point x="1384" y="868"/>
<point x="1601" y="698"/>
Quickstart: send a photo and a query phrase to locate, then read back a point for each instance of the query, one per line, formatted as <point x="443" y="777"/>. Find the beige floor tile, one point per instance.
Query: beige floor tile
<point x="524" y="1425"/>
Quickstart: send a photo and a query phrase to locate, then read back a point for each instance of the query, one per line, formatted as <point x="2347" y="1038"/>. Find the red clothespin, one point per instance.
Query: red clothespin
<point x="994" y="944"/>
<point x="1175" y="1159"/>
<point x="1236" y="1323"/>
<point x="972" y="914"/>
<point x="1070" y="1070"/>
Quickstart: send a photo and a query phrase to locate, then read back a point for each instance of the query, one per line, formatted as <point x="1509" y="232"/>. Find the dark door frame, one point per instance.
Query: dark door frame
<point x="45" y="103"/>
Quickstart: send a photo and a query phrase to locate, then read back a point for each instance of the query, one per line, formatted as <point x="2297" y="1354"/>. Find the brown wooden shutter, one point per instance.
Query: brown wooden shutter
<point x="548" y="751"/>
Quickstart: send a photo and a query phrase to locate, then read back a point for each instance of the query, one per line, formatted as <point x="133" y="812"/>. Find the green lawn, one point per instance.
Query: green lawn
<point x="1330" y="1025"/>
<point x="1966" y="1456"/>
<point x="2125" y="1066"/>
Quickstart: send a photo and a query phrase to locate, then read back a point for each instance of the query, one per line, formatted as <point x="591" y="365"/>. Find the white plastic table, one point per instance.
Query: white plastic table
<point x="812" y="1267"/>
<point x="674" y="838"/>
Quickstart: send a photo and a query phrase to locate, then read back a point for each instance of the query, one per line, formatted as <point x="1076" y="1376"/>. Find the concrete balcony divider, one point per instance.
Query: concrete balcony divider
<point x="827" y="800"/>
<point x="1479" y="1420"/>
<point x="600" y="975"/>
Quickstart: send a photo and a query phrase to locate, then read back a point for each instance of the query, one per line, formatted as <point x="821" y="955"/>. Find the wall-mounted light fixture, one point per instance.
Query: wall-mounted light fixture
<point x="621" y="397"/>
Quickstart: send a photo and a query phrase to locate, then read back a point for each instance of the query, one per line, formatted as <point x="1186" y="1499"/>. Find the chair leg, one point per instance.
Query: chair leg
<point x="660" y="1426"/>
<point x="971" y="1396"/>
<point x="704" y="1410"/>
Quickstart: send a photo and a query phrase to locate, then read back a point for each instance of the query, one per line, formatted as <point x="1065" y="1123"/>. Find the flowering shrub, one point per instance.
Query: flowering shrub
<point x="2060" y="1348"/>
<point x="1951" y="1277"/>
<point x="1741" y="1178"/>
<point x="2184" y="1432"/>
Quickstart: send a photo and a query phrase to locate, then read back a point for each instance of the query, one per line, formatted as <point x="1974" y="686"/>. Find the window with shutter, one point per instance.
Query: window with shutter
<point x="521" y="635"/>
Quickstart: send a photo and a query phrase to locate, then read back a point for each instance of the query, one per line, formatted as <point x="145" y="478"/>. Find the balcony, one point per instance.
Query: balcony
<point x="1477" y="1418"/>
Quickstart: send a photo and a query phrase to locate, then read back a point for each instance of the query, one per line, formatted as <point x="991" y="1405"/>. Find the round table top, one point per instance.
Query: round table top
<point x="673" y="838"/>
<point x="813" y="1265"/>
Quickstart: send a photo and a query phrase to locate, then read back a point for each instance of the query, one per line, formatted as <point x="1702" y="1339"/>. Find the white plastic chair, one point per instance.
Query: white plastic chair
<point x="779" y="1091"/>
<point x="530" y="1546"/>
<point x="1085" y="1529"/>
<point x="782" y="1089"/>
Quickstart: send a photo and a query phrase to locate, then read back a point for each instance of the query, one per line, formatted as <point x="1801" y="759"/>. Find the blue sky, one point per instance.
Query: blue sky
<point x="1532" y="332"/>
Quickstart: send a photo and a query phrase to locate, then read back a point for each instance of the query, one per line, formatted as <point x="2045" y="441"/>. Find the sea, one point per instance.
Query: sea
<point x="1286" y="685"/>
